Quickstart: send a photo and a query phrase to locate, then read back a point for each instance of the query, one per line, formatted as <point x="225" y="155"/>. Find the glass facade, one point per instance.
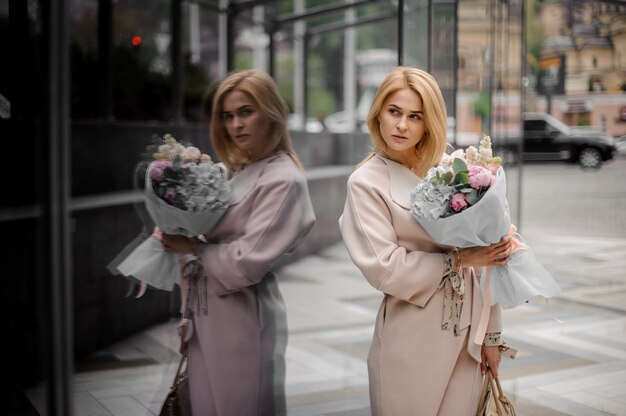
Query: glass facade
<point x="87" y="83"/>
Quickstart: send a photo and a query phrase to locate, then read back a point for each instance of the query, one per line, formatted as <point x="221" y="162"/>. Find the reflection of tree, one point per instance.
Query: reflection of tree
<point x="84" y="88"/>
<point x="326" y="55"/>
<point x="321" y="100"/>
<point x="535" y="35"/>
<point x="482" y="108"/>
<point x="139" y="94"/>
<point x="195" y="83"/>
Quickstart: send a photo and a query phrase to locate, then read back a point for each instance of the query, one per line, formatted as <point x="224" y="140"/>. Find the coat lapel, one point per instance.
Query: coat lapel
<point x="244" y="181"/>
<point x="402" y="182"/>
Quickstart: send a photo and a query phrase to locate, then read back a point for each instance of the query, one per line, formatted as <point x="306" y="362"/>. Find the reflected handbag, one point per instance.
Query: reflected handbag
<point x="177" y="402"/>
<point x="493" y="402"/>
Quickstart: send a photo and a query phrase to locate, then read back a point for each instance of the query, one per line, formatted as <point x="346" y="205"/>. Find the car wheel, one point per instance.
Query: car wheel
<point x="590" y="157"/>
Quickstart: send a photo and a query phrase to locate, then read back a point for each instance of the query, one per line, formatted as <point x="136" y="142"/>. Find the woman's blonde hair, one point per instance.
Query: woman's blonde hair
<point x="429" y="149"/>
<point x="263" y="91"/>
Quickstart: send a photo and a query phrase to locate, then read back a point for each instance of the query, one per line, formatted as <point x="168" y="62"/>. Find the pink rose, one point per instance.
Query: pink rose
<point x="458" y="201"/>
<point x="169" y="195"/>
<point x="191" y="153"/>
<point x="205" y="158"/>
<point x="493" y="167"/>
<point x="157" y="168"/>
<point x="480" y="177"/>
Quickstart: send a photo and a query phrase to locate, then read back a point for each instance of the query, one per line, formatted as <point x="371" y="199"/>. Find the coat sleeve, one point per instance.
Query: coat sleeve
<point x="495" y="321"/>
<point x="495" y="313"/>
<point x="371" y="241"/>
<point x="281" y="217"/>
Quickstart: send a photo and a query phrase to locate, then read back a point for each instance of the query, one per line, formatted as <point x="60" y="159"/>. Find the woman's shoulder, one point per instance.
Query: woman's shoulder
<point x="274" y="171"/>
<point x="281" y="168"/>
<point x="372" y="171"/>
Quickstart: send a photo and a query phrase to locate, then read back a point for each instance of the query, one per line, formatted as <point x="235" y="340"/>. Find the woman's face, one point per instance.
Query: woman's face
<point x="247" y="127"/>
<point x="402" y="124"/>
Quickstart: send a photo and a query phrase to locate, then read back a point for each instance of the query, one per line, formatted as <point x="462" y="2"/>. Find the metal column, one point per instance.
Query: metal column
<point x="177" y="60"/>
<point x="56" y="222"/>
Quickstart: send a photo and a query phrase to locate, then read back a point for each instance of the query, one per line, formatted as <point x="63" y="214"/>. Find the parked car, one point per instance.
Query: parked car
<point x="294" y="122"/>
<point x="340" y="123"/>
<point x="548" y="139"/>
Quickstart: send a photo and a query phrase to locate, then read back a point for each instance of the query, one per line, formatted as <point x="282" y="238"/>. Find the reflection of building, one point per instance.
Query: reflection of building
<point x="592" y="37"/>
<point x="590" y="40"/>
<point x="489" y="69"/>
<point x="482" y="38"/>
<point x="583" y="63"/>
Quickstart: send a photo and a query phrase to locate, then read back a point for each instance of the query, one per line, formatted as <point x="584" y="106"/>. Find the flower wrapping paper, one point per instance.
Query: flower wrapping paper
<point x="484" y="223"/>
<point x="152" y="266"/>
<point x="173" y="220"/>
<point x="148" y="262"/>
<point x="479" y="225"/>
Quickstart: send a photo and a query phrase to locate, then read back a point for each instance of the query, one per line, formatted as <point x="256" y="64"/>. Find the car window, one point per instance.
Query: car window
<point x="534" y="125"/>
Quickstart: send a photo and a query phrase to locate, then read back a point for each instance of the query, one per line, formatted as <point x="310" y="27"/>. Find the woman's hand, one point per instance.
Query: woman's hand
<point x="173" y="243"/>
<point x="497" y="254"/>
<point x="490" y="355"/>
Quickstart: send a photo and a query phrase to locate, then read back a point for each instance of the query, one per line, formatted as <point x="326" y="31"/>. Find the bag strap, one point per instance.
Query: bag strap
<point x="483" y="395"/>
<point x="179" y="374"/>
<point x="503" y="404"/>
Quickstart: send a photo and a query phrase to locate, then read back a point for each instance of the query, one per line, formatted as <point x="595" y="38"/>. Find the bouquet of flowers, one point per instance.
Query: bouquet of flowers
<point x="462" y="203"/>
<point x="185" y="193"/>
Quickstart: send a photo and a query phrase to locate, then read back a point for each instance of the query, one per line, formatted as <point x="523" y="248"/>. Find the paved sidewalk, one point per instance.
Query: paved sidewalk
<point x="575" y="367"/>
<point x="579" y="338"/>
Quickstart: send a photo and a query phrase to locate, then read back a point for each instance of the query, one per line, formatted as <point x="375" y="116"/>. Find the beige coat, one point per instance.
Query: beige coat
<point x="236" y="350"/>
<point x="411" y="358"/>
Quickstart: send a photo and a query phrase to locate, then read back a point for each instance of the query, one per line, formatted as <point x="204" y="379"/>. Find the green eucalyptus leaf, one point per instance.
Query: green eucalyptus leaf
<point x="472" y="197"/>
<point x="461" y="177"/>
<point x="458" y="166"/>
<point x="447" y="177"/>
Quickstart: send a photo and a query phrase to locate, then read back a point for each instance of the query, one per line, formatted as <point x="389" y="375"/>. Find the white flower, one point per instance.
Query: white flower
<point x="485" y="150"/>
<point x="191" y="153"/>
<point x="170" y="149"/>
<point x="204" y="188"/>
<point x="430" y="198"/>
<point x="473" y="158"/>
<point x="445" y="159"/>
<point x="458" y="154"/>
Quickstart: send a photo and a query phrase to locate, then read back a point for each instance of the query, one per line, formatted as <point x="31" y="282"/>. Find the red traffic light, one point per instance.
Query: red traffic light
<point x="136" y="40"/>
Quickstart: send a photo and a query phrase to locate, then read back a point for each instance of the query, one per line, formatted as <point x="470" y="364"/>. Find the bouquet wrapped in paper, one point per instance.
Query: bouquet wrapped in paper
<point x="462" y="203"/>
<point x="185" y="193"/>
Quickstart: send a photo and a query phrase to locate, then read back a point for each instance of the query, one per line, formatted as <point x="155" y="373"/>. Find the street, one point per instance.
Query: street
<point x="563" y="199"/>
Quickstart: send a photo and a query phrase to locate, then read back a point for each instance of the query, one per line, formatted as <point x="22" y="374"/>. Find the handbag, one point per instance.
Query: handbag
<point x="177" y="402"/>
<point x="493" y="402"/>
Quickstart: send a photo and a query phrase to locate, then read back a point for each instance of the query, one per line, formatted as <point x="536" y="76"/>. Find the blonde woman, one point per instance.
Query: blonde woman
<point x="423" y="359"/>
<point x="236" y="349"/>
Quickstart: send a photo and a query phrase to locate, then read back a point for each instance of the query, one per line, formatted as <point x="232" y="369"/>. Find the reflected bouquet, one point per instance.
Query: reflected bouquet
<point x="185" y="193"/>
<point x="462" y="203"/>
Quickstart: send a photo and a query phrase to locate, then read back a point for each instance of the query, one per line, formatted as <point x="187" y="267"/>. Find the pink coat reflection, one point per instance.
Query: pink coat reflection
<point x="237" y="350"/>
